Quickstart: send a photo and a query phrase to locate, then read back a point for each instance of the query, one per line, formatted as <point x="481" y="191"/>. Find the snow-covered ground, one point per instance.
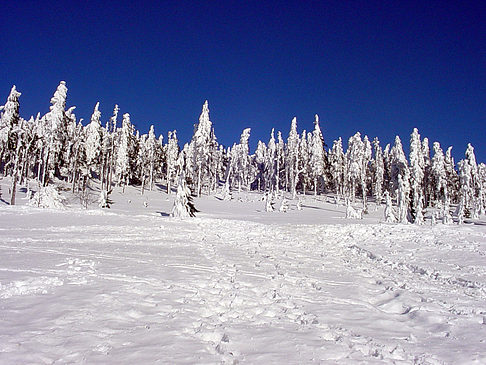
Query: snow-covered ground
<point x="236" y="285"/>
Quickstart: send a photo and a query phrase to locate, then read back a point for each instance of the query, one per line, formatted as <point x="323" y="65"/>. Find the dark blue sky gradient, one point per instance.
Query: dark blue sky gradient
<point x="380" y="68"/>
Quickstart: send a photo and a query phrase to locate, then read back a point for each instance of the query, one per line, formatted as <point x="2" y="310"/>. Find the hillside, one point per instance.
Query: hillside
<point x="236" y="284"/>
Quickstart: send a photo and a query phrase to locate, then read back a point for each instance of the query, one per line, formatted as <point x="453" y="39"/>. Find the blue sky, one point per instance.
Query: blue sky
<point x="380" y="68"/>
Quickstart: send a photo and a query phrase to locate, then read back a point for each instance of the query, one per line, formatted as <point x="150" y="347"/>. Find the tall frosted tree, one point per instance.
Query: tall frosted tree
<point x="438" y="178"/>
<point x="122" y="171"/>
<point x="365" y="171"/>
<point x="270" y="164"/>
<point x="94" y="136"/>
<point x="400" y="177"/>
<point x="55" y="122"/>
<point x="337" y="161"/>
<point x="151" y="153"/>
<point x="317" y="155"/>
<point x="172" y="154"/>
<point x="438" y="174"/>
<point x="427" y="185"/>
<point x="292" y="158"/>
<point x="259" y="165"/>
<point x="452" y="176"/>
<point x="355" y="156"/>
<point x="378" y="167"/>
<point x="417" y="171"/>
<point x="482" y="187"/>
<point x="280" y="162"/>
<point x="240" y="161"/>
<point x="201" y="149"/>
<point x="9" y="120"/>
<point x="304" y="167"/>
<point x="473" y="203"/>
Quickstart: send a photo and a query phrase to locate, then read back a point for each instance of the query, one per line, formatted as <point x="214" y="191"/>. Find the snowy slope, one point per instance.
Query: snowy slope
<point x="236" y="285"/>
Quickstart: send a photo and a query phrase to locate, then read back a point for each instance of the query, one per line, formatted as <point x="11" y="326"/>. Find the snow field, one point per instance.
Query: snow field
<point x="104" y="286"/>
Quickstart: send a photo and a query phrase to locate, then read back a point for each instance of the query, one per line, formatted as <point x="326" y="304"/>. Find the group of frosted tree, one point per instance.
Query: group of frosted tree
<point x="57" y="146"/>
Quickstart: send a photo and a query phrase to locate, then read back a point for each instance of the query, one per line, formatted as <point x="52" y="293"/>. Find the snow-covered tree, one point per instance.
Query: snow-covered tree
<point x="470" y="196"/>
<point x="201" y="150"/>
<point x="122" y="171"/>
<point x="304" y="167"/>
<point x="259" y="166"/>
<point x="317" y="155"/>
<point x="400" y="177"/>
<point x="365" y="172"/>
<point x="270" y="164"/>
<point x="292" y="158"/>
<point x="427" y="184"/>
<point x="183" y="204"/>
<point x="280" y="161"/>
<point x="482" y="187"/>
<point x="451" y="176"/>
<point x="55" y="133"/>
<point x="93" y="140"/>
<point x="240" y="161"/>
<point x="172" y="155"/>
<point x="9" y="119"/>
<point x="378" y="168"/>
<point x="337" y="162"/>
<point x="417" y="171"/>
<point x="354" y="165"/>
<point x="151" y="154"/>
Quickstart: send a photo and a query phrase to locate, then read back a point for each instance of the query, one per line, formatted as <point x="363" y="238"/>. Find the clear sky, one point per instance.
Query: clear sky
<point x="380" y="68"/>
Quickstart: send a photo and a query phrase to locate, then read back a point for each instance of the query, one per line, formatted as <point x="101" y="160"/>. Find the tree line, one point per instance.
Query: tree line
<point x="57" y="146"/>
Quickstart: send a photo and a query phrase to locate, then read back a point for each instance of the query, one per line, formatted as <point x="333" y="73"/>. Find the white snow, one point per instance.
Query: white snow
<point x="236" y="284"/>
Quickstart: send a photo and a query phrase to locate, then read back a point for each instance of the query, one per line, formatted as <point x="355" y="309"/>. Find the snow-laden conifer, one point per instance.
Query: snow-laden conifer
<point x="240" y="161"/>
<point x="438" y="174"/>
<point x="400" y="177"/>
<point x="317" y="154"/>
<point x="259" y="162"/>
<point x="354" y="165"/>
<point x="304" y="167"/>
<point x="475" y="183"/>
<point x="427" y="184"/>
<point x="172" y="154"/>
<point x="292" y="158"/>
<point x="183" y="204"/>
<point x="151" y="154"/>
<point x="270" y="168"/>
<point x="365" y="172"/>
<point x="452" y="175"/>
<point x="280" y="162"/>
<point x="122" y="171"/>
<point x="201" y="150"/>
<point x="378" y="167"/>
<point x="337" y="163"/>
<point x="93" y="139"/>
<point x="9" y="119"/>
<point x="55" y="133"/>
<point x="417" y="167"/>
<point x="11" y="137"/>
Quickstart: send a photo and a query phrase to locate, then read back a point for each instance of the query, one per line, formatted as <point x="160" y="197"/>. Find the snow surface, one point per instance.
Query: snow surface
<point x="237" y="284"/>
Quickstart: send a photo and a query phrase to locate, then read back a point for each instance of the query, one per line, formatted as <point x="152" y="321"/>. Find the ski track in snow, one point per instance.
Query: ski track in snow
<point x="125" y="289"/>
